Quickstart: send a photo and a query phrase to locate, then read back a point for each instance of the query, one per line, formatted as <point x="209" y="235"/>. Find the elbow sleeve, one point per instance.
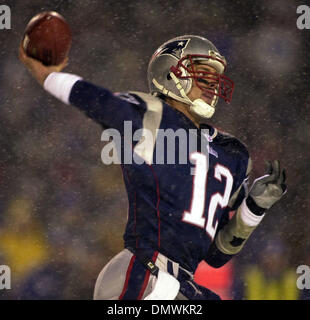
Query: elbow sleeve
<point x="233" y="236"/>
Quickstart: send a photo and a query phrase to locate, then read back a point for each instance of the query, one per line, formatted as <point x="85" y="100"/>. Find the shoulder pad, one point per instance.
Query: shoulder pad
<point x="153" y="103"/>
<point x="146" y="97"/>
<point x="232" y="144"/>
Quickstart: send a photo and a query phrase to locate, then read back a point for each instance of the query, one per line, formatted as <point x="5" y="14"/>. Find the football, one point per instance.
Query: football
<point x="47" y="38"/>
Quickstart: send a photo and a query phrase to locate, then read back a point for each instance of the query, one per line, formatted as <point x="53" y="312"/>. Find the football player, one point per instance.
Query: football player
<point x="175" y="219"/>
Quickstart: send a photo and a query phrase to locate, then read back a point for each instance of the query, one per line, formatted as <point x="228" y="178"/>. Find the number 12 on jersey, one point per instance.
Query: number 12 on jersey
<point x="196" y="214"/>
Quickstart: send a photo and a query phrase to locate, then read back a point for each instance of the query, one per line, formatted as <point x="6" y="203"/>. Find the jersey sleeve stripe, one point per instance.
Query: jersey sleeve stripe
<point x="151" y="122"/>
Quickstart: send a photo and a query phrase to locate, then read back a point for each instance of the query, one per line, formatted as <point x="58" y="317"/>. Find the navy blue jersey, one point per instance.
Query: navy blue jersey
<point x="171" y="210"/>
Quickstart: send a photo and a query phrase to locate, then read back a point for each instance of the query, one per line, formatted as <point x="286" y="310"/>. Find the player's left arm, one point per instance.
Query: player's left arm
<point x="263" y="194"/>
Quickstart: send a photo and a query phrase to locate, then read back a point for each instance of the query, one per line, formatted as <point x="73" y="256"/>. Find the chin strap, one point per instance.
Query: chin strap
<point x="202" y="109"/>
<point x="198" y="107"/>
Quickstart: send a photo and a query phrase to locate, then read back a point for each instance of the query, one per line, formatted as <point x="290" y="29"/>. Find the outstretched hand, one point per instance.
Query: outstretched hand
<point x="269" y="189"/>
<point x="38" y="70"/>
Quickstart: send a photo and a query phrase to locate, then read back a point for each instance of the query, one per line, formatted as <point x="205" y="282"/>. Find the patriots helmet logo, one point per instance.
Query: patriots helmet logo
<point x="174" y="48"/>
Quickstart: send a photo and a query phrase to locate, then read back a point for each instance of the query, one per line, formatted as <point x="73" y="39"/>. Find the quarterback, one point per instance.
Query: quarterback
<point x="175" y="219"/>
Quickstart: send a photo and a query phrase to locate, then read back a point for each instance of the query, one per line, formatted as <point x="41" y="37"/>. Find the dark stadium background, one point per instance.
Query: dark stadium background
<point x="62" y="212"/>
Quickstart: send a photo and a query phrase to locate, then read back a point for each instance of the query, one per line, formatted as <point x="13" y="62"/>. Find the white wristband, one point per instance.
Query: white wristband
<point x="60" y="84"/>
<point x="248" y="217"/>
